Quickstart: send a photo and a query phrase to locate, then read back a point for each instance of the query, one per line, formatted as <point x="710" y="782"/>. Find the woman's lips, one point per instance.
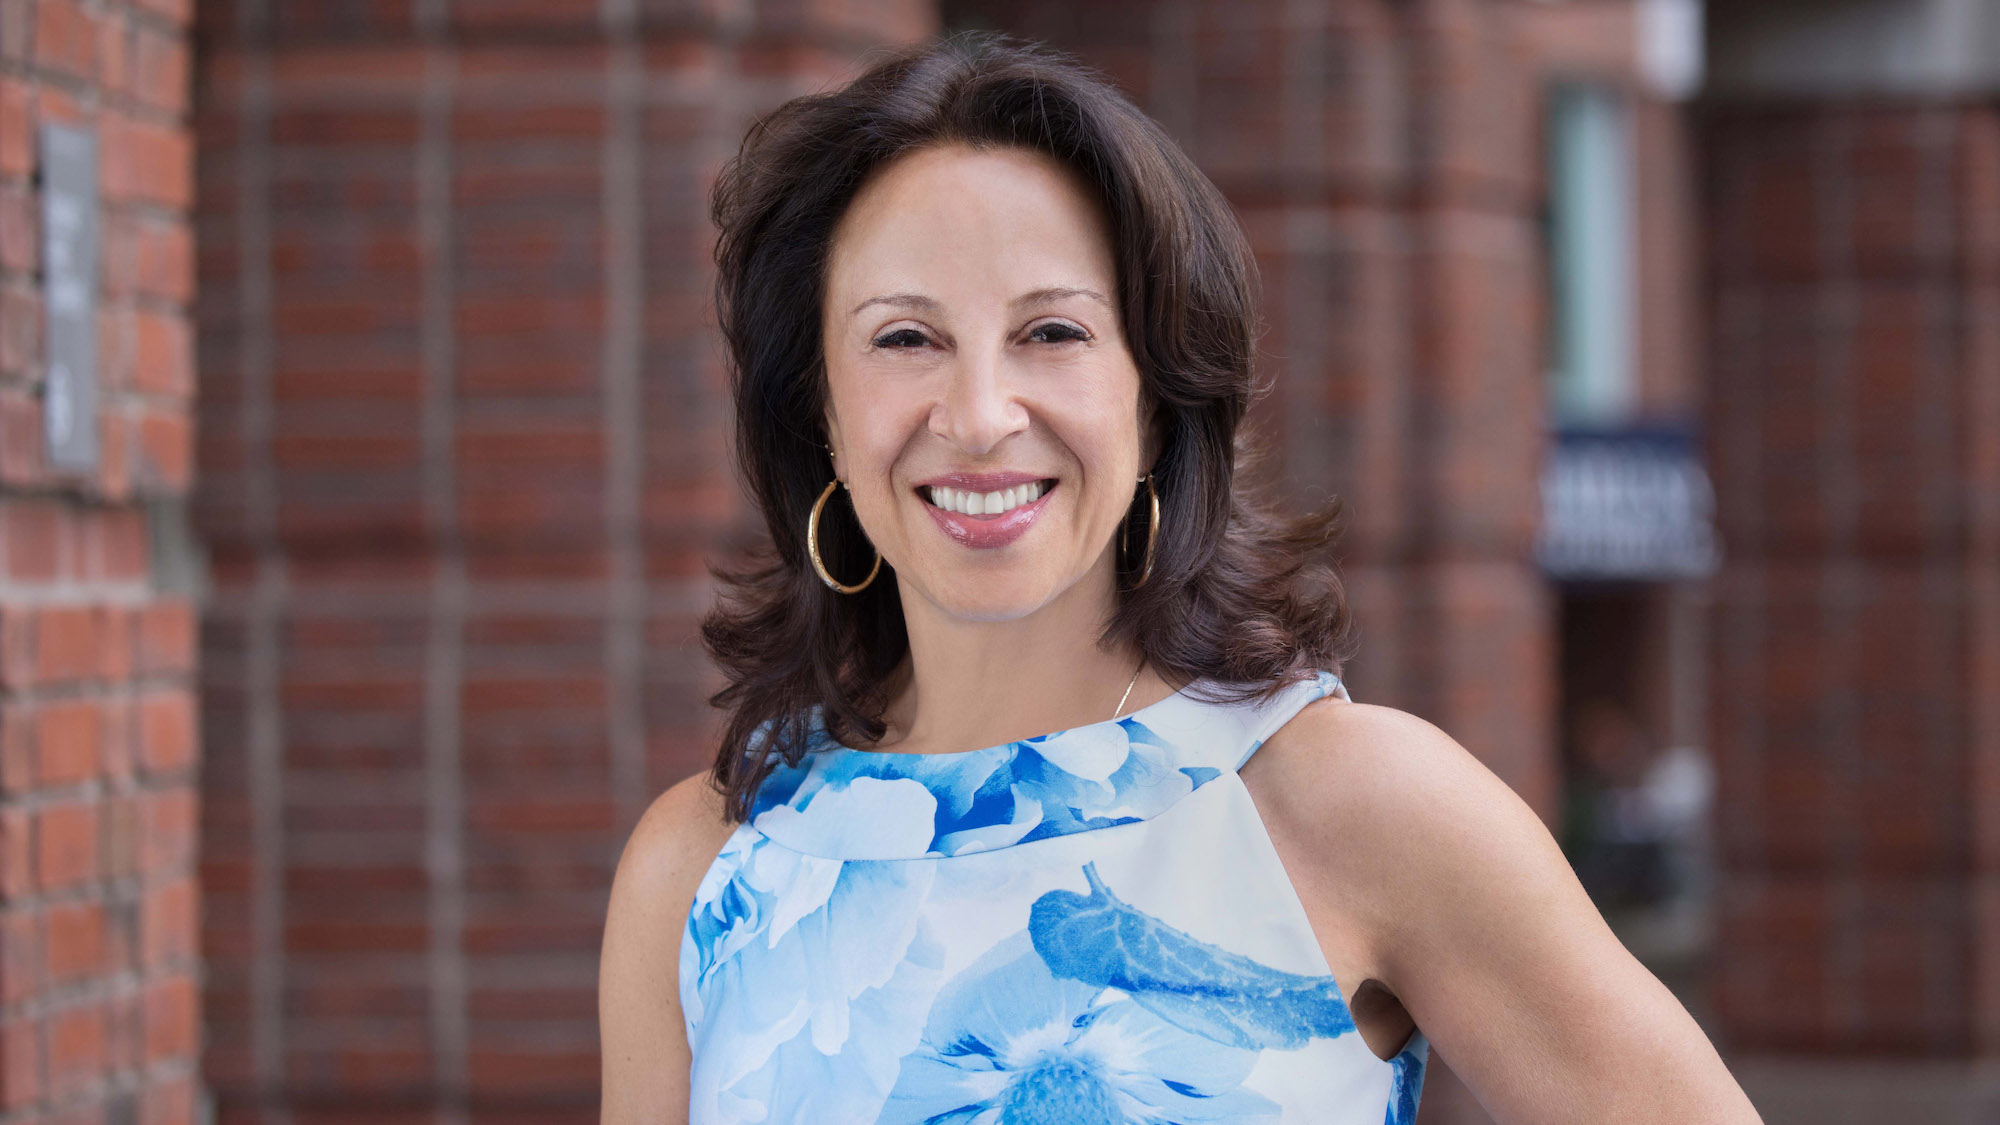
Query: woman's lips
<point x="987" y="532"/>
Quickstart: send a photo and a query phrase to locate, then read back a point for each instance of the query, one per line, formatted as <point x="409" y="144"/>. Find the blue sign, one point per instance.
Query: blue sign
<point x="1631" y="504"/>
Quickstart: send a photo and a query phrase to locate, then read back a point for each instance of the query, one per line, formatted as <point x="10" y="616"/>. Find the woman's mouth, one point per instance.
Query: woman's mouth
<point x="986" y="519"/>
<point x="997" y="503"/>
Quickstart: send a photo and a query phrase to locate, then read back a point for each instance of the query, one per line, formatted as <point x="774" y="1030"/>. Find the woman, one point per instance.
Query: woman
<point x="991" y="334"/>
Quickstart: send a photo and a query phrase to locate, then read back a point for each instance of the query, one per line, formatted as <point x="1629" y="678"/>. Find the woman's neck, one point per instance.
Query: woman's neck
<point x="972" y="684"/>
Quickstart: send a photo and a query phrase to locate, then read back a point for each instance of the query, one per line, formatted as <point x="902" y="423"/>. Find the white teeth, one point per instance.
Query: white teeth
<point x="985" y="503"/>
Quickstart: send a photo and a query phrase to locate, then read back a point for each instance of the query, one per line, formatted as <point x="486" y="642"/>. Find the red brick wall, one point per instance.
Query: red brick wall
<point x="462" y="461"/>
<point x="99" y="1000"/>
<point x="1855" y="434"/>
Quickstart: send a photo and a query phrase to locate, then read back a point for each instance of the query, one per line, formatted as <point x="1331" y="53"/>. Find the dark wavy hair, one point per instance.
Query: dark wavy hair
<point x="1239" y="595"/>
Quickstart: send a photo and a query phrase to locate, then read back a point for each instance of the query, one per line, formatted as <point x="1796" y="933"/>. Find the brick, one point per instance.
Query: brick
<point x="523" y="1073"/>
<point x="117" y="342"/>
<point x="114" y="456"/>
<point x="122" y="547"/>
<point x="147" y="162"/>
<point x="66" y="38"/>
<point x="168" y="1101"/>
<point x="172" y="1019"/>
<point x="114" y="643"/>
<point x="350" y="452"/>
<point x="168" y="924"/>
<point x="17" y="747"/>
<point x="20" y="1063"/>
<point x="166" y="732"/>
<point x="117" y="264"/>
<point x="20" y="955"/>
<point x="124" y="835"/>
<point x="120" y="738"/>
<point x="69" y="736"/>
<point x="166" y="451"/>
<point x="166" y="828"/>
<point x="66" y="644"/>
<point x="21" y="460"/>
<point x="21" y="336"/>
<point x="165" y="260"/>
<point x="53" y="103"/>
<point x="353" y="937"/>
<point x="77" y="1049"/>
<point x="32" y="531"/>
<point x="123" y="943"/>
<point x="179" y="13"/>
<point x="76" y="946"/>
<point x="166" y="638"/>
<point x="163" y="359"/>
<point x="160" y="70"/>
<point x="66" y="844"/>
<point x="20" y="229"/>
<point x="17" y="645"/>
<point x="17" y="131"/>
<point x="114" y="56"/>
<point x="543" y="814"/>
<point x="125" y="1025"/>
<point x="17" y="853"/>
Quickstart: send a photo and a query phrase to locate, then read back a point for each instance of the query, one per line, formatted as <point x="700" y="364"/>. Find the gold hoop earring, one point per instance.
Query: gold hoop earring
<point x="1152" y="531"/>
<point x="812" y="547"/>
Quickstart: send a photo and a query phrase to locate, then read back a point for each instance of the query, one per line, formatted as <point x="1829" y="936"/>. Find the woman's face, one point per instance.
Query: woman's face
<point x="982" y="404"/>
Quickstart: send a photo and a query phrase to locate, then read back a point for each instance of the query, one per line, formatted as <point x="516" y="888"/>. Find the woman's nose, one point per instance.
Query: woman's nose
<point x="978" y="408"/>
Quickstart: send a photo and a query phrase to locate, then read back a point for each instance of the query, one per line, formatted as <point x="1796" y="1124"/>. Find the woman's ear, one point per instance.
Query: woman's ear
<point x="833" y="438"/>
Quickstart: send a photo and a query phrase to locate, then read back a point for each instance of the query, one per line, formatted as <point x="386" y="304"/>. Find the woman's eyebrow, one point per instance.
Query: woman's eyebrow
<point x="917" y="302"/>
<point x="1057" y="293"/>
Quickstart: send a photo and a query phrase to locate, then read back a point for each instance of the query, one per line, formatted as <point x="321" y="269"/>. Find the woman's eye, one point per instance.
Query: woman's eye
<point x="901" y="338"/>
<point x="1056" y="332"/>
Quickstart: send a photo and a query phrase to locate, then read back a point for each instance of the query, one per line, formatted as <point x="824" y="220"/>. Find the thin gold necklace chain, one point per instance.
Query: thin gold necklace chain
<point x="1128" y="688"/>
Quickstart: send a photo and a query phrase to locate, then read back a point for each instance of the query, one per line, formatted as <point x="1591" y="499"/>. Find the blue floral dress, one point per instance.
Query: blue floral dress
<point x="1085" y="928"/>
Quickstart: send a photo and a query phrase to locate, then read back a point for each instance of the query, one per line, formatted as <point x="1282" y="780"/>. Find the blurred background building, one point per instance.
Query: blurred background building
<point x="363" y="437"/>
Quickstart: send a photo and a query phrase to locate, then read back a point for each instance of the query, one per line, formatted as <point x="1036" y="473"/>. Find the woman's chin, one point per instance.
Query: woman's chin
<point x="988" y="597"/>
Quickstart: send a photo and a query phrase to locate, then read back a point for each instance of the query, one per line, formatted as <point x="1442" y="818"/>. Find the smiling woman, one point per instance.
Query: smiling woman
<point x="941" y="872"/>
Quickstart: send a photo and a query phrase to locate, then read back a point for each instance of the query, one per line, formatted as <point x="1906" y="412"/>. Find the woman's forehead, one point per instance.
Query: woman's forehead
<point x="957" y="223"/>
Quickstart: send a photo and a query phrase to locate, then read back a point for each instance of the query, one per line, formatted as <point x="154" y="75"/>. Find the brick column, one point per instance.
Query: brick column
<point x="1855" y="422"/>
<point x="463" y="459"/>
<point x="99" y="997"/>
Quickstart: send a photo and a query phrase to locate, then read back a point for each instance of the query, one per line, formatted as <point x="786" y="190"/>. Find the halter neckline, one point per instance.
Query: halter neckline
<point x="845" y="803"/>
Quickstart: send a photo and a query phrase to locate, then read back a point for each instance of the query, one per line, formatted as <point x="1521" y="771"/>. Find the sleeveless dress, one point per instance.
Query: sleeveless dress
<point x="1085" y="928"/>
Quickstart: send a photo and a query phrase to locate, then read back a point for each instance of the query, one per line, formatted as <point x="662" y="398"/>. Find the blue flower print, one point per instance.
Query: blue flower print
<point x="1093" y="776"/>
<point x="1008" y="1043"/>
<point x="826" y="966"/>
<point x="1099" y="940"/>
<point x="1409" y="1081"/>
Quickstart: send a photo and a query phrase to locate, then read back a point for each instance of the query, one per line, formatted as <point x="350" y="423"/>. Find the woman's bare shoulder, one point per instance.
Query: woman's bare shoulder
<point x="638" y="979"/>
<point x="668" y="852"/>
<point x="678" y="836"/>
<point x="1386" y="801"/>
<point x="1468" y="911"/>
<point x="1389" y="768"/>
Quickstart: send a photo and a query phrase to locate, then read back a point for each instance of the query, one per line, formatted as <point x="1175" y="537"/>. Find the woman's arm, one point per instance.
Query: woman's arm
<point x="644" y="1044"/>
<point x="1473" y="918"/>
